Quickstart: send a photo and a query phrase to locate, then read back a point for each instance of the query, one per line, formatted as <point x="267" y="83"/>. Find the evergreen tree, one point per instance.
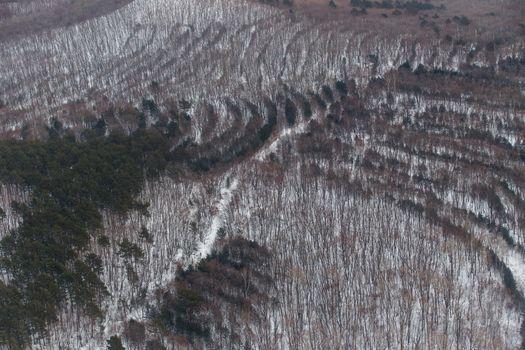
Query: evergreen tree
<point x="115" y="343"/>
<point x="47" y="256"/>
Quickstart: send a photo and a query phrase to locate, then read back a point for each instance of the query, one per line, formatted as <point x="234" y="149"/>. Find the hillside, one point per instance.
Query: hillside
<point x="236" y="174"/>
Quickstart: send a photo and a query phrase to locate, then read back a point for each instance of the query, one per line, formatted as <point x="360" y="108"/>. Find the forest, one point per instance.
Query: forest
<point x="47" y="259"/>
<point x="246" y="174"/>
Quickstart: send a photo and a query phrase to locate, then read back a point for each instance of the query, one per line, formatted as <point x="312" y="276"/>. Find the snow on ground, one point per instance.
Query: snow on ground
<point x="272" y="147"/>
<point x="205" y="247"/>
<point x="516" y="263"/>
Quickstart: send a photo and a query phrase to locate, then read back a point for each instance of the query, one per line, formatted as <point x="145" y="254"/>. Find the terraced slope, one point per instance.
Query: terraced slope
<point x="205" y="53"/>
<point x="383" y="172"/>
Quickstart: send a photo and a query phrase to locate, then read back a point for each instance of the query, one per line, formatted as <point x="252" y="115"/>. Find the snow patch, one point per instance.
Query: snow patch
<point x="217" y="222"/>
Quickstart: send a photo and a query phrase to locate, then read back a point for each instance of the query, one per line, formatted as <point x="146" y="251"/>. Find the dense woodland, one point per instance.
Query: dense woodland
<point x="46" y="259"/>
<point x="304" y="180"/>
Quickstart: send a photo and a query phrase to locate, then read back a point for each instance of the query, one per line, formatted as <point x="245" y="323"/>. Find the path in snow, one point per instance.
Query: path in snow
<point x="231" y="184"/>
<point x="217" y="221"/>
<point x="516" y="264"/>
<point x="272" y="147"/>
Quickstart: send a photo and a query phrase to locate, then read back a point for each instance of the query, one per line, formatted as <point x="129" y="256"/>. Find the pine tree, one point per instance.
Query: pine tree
<point x="115" y="343"/>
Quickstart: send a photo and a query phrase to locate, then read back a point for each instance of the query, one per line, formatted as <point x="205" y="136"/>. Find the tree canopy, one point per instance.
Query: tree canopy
<point x="47" y="258"/>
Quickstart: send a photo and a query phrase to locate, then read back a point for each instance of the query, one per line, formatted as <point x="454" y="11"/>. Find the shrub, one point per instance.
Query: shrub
<point x="461" y="20"/>
<point x="327" y="92"/>
<point x="341" y="87"/>
<point x="290" y="111"/>
<point x="267" y="129"/>
<point x="150" y="106"/>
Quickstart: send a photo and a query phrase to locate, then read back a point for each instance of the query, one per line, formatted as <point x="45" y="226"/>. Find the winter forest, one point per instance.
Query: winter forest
<point x="262" y="174"/>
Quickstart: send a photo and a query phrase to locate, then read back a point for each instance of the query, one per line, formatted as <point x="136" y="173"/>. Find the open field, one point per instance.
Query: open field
<point x="22" y="18"/>
<point x="486" y="18"/>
